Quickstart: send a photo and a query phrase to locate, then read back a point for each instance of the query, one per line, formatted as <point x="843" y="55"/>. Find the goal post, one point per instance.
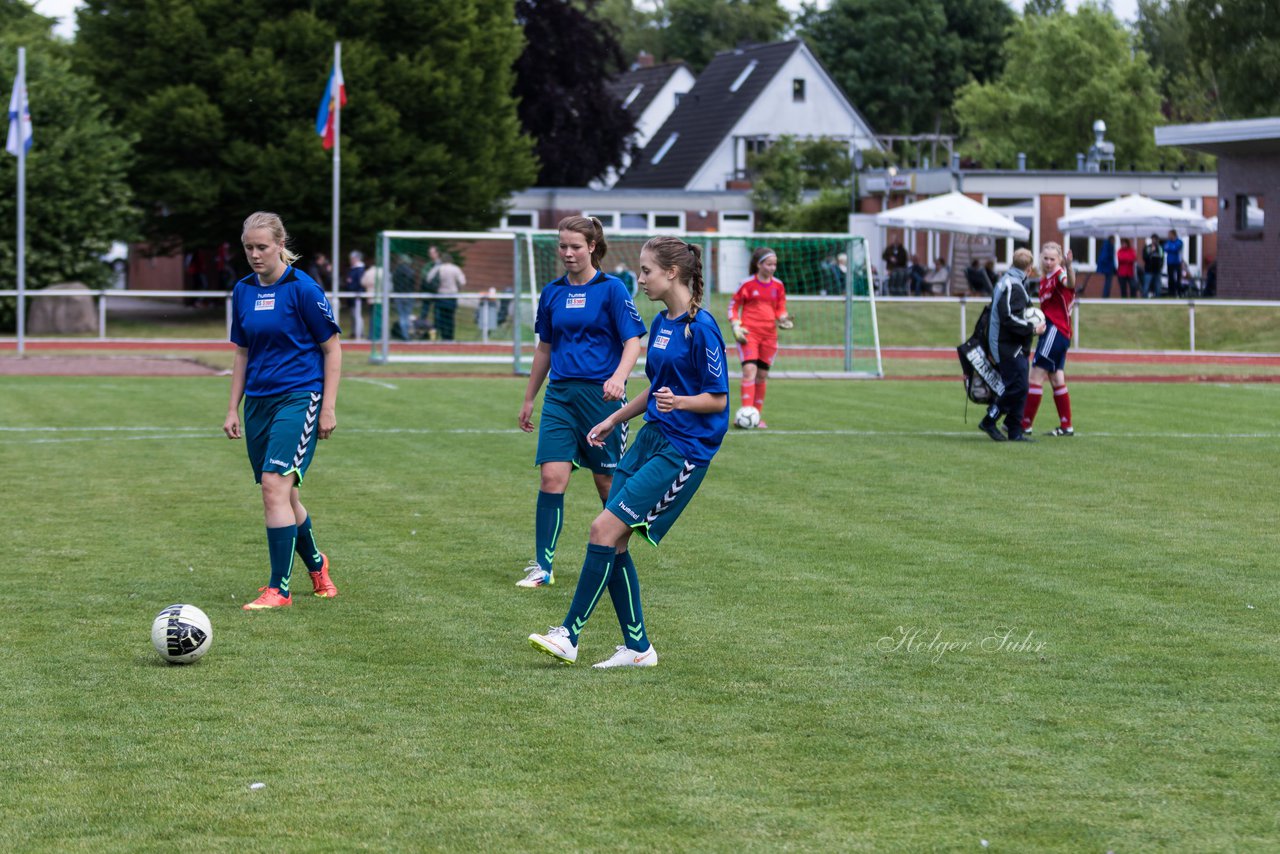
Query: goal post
<point x="491" y="319"/>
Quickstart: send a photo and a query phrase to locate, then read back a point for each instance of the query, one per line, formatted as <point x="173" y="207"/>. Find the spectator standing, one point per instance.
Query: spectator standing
<point x="1152" y="267"/>
<point x="1125" y="260"/>
<point x="354" y="284"/>
<point x="403" y="281"/>
<point x="449" y="281"/>
<point x="322" y="271"/>
<point x="1173" y="261"/>
<point x="1106" y="265"/>
<point x="628" y="278"/>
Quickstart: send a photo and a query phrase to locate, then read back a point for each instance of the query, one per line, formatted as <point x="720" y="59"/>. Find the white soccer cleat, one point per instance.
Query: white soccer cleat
<point x="536" y="576"/>
<point x="556" y="644"/>
<point x="625" y="657"/>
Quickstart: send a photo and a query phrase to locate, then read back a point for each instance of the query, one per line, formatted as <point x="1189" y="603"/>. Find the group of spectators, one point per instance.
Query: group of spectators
<point x="907" y="275"/>
<point x="1159" y="256"/>
<point x="1138" y="278"/>
<point x="433" y="318"/>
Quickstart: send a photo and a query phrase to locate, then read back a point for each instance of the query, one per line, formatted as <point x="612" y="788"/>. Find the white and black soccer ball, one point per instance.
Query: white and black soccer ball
<point x="1033" y="315"/>
<point x="748" y="418"/>
<point x="181" y="634"/>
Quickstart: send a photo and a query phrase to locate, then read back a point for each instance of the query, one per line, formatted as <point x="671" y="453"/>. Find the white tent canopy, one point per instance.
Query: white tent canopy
<point x="954" y="212"/>
<point x="1133" y="215"/>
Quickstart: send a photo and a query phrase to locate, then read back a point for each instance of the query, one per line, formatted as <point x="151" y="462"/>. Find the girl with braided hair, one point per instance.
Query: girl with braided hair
<point x="686" y="408"/>
<point x="588" y="341"/>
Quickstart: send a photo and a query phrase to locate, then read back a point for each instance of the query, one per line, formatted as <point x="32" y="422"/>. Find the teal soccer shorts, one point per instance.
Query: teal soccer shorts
<point x="280" y="432"/>
<point x="653" y="484"/>
<point x="569" y="411"/>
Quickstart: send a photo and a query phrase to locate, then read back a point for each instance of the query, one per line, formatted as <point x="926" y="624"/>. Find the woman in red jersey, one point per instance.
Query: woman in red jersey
<point x="1057" y="297"/>
<point x="757" y="312"/>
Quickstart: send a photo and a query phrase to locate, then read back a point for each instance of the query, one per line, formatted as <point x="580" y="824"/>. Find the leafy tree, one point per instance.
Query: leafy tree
<point x="1187" y="83"/>
<point x="784" y="180"/>
<point x="223" y="96"/>
<point x="900" y="61"/>
<point x="1241" y="43"/>
<point x="636" y="27"/>
<point x="580" y="130"/>
<point x="1064" y="72"/>
<point x="78" y="200"/>
<point x="980" y="26"/>
<point x="1043" y="8"/>
<point x="696" y="30"/>
<point x="692" y="30"/>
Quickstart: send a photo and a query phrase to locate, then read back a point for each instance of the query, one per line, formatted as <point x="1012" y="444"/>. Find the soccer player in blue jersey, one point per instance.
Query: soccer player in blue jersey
<point x="287" y="365"/>
<point x="589" y="339"/>
<point x="687" y="410"/>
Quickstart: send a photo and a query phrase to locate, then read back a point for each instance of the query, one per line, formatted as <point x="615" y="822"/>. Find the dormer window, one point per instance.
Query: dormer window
<point x="666" y="146"/>
<point x="742" y="78"/>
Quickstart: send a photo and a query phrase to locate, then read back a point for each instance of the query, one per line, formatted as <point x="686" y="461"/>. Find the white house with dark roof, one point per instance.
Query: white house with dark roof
<point x="743" y="101"/>
<point x="650" y="94"/>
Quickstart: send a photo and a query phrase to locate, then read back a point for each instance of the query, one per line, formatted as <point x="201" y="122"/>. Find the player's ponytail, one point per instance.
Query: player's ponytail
<point x="272" y="223"/>
<point x="592" y="230"/>
<point x="695" y="283"/>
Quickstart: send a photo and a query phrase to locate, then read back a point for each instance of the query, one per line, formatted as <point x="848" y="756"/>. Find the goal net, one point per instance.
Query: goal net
<point x="827" y="279"/>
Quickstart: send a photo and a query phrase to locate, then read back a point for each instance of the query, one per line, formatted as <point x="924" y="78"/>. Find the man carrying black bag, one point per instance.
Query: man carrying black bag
<point x="1009" y="340"/>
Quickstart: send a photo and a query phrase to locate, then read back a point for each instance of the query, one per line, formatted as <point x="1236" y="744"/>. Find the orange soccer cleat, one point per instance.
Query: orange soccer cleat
<point x="270" y="598"/>
<point x="320" y="583"/>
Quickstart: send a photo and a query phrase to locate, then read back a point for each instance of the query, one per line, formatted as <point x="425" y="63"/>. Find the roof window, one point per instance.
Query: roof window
<point x="742" y="78"/>
<point x="666" y="146"/>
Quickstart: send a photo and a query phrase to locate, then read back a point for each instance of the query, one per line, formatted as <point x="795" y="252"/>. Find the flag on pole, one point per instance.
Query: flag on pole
<point x="335" y="91"/>
<point x="20" y="118"/>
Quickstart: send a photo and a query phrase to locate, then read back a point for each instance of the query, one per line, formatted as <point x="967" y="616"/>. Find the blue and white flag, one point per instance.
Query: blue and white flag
<point x="19" y="119"/>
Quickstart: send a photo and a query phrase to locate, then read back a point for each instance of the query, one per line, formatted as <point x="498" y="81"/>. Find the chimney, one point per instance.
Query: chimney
<point x="644" y="59"/>
<point x="1022" y="161"/>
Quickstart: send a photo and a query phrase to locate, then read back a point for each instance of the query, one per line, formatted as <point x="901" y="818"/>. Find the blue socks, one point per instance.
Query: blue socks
<point x="306" y="547"/>
<point x="280" y="542"/>
<point x="547" y="523"/>
<point x="591" y="583"/>
<point x="624" y="590"/>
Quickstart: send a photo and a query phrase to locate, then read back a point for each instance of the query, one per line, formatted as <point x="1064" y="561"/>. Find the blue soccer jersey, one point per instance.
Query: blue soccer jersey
<point x="688" y="365"/>
<point x="586" y="326"/>
<point x="282" y="326"/>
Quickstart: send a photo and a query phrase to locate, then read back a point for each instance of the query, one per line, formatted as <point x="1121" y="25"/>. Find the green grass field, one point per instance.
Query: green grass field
<point x="879" y="631"/>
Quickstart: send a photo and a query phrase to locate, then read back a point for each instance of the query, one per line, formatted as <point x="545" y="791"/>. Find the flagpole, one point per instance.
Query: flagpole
<point x="22" y="201"/>
<point x="337" y="170"/>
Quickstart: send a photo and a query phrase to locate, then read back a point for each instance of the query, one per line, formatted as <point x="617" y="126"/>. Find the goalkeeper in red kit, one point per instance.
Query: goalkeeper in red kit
<point x="757" y="312"/>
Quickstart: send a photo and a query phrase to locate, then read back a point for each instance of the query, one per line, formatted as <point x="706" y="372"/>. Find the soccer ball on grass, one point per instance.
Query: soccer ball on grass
<point x="748" y="417"/>
<point x="181" y="634"/>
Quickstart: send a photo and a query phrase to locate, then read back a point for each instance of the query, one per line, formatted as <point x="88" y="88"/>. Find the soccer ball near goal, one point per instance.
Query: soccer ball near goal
<point x="181" y="634"/>
<point x="1034" y="315"/>
<point x="748" y="417"/>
